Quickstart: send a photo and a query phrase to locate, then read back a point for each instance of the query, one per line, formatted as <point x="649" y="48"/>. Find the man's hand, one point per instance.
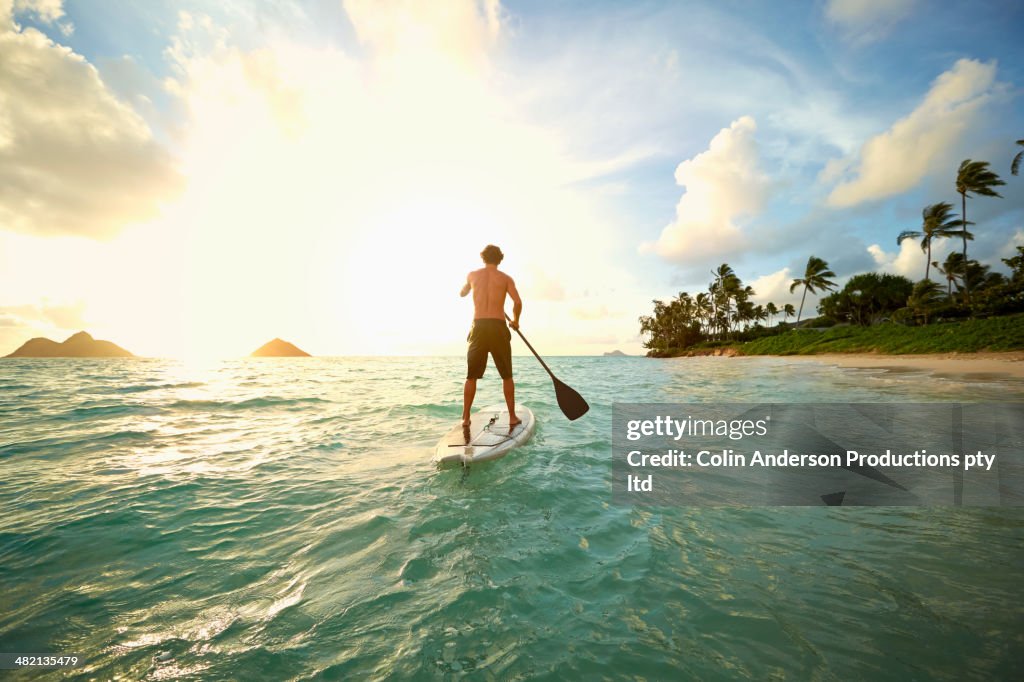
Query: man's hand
<point x="514" y="324"/>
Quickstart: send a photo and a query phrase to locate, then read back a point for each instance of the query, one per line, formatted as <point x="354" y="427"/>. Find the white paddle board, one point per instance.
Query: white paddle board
<point x="487" y="437"/>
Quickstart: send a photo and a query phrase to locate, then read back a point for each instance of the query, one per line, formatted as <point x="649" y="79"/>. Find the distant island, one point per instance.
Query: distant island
<point x="279" y="349"/>
<point x="80" y="345"/>
<point x="615" y="354"/>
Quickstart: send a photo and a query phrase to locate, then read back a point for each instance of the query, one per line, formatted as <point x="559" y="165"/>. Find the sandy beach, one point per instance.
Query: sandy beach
<point x="974" y="366"/>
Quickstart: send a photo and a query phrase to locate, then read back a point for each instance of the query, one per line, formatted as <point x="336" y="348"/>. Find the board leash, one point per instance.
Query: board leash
<point x="504" y="437"/>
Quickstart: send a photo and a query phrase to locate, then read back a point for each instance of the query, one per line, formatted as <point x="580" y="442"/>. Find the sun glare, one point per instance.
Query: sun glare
<point x="336" y="200"/>
<point x="402" y="276"/>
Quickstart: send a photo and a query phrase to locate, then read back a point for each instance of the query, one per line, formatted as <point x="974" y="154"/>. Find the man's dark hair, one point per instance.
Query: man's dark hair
<point x="492" y="255"/>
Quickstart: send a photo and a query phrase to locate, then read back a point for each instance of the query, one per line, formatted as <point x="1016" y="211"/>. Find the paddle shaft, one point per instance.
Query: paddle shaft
<point x="535" y="354"/>
<point x="571" y="403"/>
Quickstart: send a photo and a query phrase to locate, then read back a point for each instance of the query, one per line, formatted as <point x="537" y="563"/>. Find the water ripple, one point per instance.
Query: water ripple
<point x="274" y="520"/>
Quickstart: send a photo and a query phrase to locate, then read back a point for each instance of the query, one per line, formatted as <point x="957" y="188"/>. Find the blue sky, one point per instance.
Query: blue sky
<point x="256" y="154"/>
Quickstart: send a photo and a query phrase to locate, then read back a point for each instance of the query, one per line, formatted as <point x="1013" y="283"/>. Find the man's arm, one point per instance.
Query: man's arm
<point x="466" y="287"/>
<point x="517" y="303"/>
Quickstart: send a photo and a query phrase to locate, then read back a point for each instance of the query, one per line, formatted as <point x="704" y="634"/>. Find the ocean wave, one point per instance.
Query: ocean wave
<point x="151" y="542"/>
<point x="425" y="409"/>
<point x="248" y="404"/>
<point x="88" y="412"/>
<point x="143" y="388"/>
<point x="74" y="445"/>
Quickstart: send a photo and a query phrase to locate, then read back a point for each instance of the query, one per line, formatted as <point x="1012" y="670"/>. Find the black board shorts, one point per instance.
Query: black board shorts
<point x="489" y="336"/>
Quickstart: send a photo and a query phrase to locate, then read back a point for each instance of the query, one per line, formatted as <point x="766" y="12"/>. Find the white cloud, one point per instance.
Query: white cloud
<point x="316" y="174"/>
<point x="57" y="321"/>
<point x="920" y="144"/>
<point x="864" y="21"/>
<point x="774" y="288"/>
<point x="909" y="260"/>
<point x="456" y="30"/>
<point x="722" y="185"/>
<point x="1009" y="249"/>
<point x="73" y="158"/>
<point x="69" y="316"/>
<point x="48" y="11"/>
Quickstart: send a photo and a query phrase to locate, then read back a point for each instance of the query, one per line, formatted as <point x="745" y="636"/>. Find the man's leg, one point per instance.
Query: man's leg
<point x="468" y="393"/>
<point x="476" y="364"/>
<point x="502" y="354"/>
<point x="509" y="388"/>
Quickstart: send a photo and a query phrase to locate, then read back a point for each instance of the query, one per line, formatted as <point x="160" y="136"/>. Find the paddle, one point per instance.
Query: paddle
<point x="572" y="404"/>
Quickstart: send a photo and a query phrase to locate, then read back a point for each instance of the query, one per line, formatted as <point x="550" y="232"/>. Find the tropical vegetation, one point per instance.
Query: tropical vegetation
<point x="815" y="279"/>
<point x="1002" y="333"/>
<point x="970" y="308"/>
<point x="937" y="221"/>
<point x="868" y="298"/>
<point x="974" y="177"/>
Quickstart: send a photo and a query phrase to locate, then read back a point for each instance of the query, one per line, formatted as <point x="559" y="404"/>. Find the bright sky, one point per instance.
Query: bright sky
<point x="196" y="178"/>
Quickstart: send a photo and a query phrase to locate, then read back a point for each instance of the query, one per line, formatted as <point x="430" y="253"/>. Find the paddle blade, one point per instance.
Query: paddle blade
<point x="572" y="404"/>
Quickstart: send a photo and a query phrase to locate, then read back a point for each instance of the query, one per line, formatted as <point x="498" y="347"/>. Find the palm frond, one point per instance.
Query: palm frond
<point x="975" y="177"/>
<point x="907" y="234"/>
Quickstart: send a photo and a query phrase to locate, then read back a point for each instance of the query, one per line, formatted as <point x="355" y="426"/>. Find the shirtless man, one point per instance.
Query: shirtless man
<point x="489" y="333"/>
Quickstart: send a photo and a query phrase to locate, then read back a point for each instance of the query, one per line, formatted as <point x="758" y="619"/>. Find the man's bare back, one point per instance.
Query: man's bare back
<point x="489" y="286"/>
<point x="489" y="335"/>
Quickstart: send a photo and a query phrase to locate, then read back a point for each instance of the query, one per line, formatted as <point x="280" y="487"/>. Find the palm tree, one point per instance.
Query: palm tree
<point x="815" y="279"/>
<point x="923" y="298"/>
<point x="760" y="314"/>
<point x="788" y="311"/>
<point x="950" y="276"/>
<point x="723" y="272"/>
<point x="974" y="177"/>
<point x="950" y="270"/>
<point x="937" y="220"/>
<point x="772" y="310"/>
<point x="722" y="290"/>
<point x="744" y="306"/>
<point x="1015" y="166"/>
<point x="704" y="309"/>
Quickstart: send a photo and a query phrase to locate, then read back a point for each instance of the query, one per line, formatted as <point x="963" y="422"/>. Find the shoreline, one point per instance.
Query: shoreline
<point x="983" y="365"/>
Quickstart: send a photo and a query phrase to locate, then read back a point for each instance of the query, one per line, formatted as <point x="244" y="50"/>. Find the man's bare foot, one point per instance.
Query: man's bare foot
<point x="515" y="421"/>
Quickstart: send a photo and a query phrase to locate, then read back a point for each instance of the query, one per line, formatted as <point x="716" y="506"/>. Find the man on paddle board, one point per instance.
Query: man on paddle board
<point x="489" y="333"/>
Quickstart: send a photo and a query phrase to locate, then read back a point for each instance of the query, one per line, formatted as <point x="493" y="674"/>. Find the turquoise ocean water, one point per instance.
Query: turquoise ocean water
<point x="281" y="519"/>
